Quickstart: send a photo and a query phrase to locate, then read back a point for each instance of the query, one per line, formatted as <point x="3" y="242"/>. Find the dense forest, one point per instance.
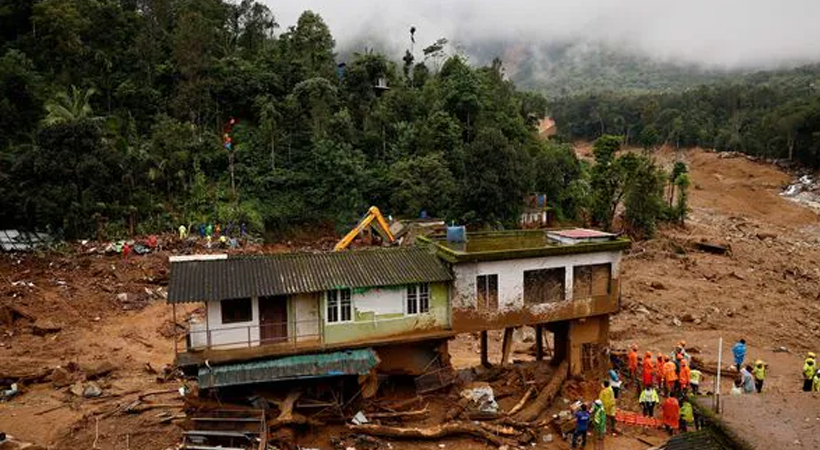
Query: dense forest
<point x="134" y="116"/>
<point x="769" y="114"/>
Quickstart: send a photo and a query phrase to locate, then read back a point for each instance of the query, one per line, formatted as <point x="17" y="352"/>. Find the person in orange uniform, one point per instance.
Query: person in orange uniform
<point x="632" y="365"/>
<point x="684" y="376"/>
<point x="648" y="370"/>
<point x="670" y="376"/>
<point x="659" y="372"/>
<point x="671" y="413"/>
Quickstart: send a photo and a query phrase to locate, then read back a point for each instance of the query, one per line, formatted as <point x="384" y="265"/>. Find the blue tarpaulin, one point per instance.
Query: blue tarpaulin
<point x="350" y="362"/>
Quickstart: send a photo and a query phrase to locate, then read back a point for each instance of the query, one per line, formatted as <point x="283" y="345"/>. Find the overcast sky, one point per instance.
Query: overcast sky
<point x="730" y="33"/>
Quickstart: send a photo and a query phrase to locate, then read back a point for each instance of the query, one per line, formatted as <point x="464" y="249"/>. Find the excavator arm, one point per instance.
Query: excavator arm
<point x="381" y="227"/>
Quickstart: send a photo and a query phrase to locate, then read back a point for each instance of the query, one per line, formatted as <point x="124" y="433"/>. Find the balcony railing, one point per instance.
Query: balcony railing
<point x="287" y="334"/>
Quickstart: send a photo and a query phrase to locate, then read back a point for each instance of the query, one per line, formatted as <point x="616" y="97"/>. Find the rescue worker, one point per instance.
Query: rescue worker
<point x="816" y="383"/>
<point x="599" y="423"/>
<point x="648" y="373"/>
<point x="759" y="372"/>
<point x="659" y="372"/>
<point x="671" y="414"/>
<point x="648" y="400"/>
<point x="685" y="376"/>
<point x="695" y="377"/>
<point x="686" y="356"/>
<point x="809" y="369"/>
<point x="183" y="232"/>
<point x="747" y="380"/>
<point x="581" y="427"/>
<point x="739" y="352"/>
<point x="607" y="397"/>
<point x="632" y="365"/>
<point x="687" y="416"/>
<point x="670" y="376"/>
<point x="614" y="382"/>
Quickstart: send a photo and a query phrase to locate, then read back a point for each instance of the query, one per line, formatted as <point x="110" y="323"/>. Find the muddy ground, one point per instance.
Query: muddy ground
<point x="69" y="315"/>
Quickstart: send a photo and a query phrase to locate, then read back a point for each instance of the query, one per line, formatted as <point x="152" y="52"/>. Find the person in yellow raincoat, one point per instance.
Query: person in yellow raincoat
<point x="607" y="397"/>
<point x="809" y="369"/>
<point x="759" y="372"/>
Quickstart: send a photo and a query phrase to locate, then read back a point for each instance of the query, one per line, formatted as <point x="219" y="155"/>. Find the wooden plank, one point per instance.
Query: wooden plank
<point x="539" y="342"/>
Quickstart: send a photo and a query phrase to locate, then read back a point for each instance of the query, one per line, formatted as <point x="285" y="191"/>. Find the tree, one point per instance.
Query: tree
<point x="495" y="182"/>
<point x="643" y="198"/>
<point x="70" y="107"/>
<point x="606" y="181"/>
<point x="423" y="183"/>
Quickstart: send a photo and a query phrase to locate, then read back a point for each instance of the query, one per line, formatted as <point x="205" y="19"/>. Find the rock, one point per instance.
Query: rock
<point x="524" y="334"/>
<point x="698" y="321"/>
<point x="780" y="349"/>
<point x="688" y="318"/>
<point x="60" y="378"/>
<point x="101" y="370"/>
<point x="547" y="438"/>
<point x="657" y="285"/>
<point x="92" y="389"/>
<point x="641" y="310"/>
<point x="715" y="310"/>
<point x="730" y="313"/>
<point x="44" y="328"/>
<point x="676" y="322"/>
<point x="504" y="447"/>
<point x="76" y="389"/>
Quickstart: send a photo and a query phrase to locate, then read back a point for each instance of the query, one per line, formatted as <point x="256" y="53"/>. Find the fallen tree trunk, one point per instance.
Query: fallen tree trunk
<point x="24" y="376"/>
<point x="393" y="415"/>
<point x="518" y="406"/>
<point x="436" y="432"/>
<point x="545" y="397"/>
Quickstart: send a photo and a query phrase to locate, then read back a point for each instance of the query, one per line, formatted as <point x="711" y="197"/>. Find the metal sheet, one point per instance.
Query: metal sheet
<point x="351" y="362"/>
<point x="295" y="273"/>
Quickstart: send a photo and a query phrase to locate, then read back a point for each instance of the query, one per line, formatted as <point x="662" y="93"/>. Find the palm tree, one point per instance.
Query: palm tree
<point x="68" y="108"/>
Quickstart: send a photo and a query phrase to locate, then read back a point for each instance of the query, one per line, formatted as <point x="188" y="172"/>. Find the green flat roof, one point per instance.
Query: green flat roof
<point x="516" y="244"/>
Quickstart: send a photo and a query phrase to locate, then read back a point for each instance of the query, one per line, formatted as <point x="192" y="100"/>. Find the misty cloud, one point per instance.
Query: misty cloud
<point x="717" y="33"/>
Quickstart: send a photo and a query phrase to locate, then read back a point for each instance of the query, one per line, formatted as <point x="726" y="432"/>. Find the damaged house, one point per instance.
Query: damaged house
<point x="289" y="316"/>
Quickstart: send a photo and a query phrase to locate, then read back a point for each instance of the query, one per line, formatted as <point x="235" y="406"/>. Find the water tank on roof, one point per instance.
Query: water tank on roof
<point x="456" y="234"/>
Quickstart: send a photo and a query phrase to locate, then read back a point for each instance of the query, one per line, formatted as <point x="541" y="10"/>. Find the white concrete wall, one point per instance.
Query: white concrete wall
<point x="232" y="335"/>
<point x="511" y="276"/>
<point x="306" y="316"/>
<point x="380" y="301"/>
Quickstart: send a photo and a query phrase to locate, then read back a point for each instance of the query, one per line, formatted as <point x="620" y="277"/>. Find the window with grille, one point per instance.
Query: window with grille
<point x="544" y="285"/>
<point x="590" y="357"/>
<point x="591" y="281"/>
<point x="487" y="292"/>
<point x="339" y="306"/>
<point x="418" y="298"/>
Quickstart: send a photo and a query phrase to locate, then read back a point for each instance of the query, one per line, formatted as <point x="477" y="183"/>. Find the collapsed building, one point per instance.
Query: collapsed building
<point x="284" y="317"/>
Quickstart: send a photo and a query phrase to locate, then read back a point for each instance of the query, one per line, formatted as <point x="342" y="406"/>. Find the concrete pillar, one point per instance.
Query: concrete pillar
<point x="506" y="346"/>
<point x="485" y="360"/>
<point x="539" y="342"/>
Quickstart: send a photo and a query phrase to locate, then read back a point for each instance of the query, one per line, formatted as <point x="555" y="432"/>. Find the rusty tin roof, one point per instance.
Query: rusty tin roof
<point x="296" y="273"/>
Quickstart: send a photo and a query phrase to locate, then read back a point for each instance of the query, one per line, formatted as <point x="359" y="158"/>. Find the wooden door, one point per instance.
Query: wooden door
<point x="273" y="319"/>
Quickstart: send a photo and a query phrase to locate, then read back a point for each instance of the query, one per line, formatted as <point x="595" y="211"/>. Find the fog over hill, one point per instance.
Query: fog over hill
<point x="642" y="41"/>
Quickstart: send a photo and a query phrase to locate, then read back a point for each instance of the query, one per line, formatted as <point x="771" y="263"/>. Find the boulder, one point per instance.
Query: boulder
<point x="92" y="389"/>
<point x="44" y="328"/>
<point x="688" y="318"/>
<point x="676" y="322"/>
<point x="657" y="285"/>
<point x="98" y="371"/>
<point x="60" y="378"/>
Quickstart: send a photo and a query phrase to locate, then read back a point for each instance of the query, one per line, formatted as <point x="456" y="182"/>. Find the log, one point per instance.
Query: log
<point x="24" y="376"/>
<point x="545" y="397"/>
<point x="393" y="415"/>
<point x="435" y="432"/>
<point x="161" y="392"/>
<point x="522" y="402"/>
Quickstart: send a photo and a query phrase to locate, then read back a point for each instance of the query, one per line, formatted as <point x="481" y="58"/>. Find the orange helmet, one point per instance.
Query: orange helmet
<point x="680" y="356"/>
<point x="648" y="354"/>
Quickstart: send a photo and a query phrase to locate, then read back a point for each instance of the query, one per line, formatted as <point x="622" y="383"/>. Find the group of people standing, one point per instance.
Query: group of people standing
<point x="811" y="374"/>
<point x="750" y="378"/>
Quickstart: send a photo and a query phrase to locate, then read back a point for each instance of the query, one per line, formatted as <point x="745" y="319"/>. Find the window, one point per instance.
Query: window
<point x="591" y="281"/>
<point x="236" y="310"/>
<point x="487" y="292"/>
<point x="544" y="286"/>
<point x="418" y="299"/>
<point x="339" y="307"/>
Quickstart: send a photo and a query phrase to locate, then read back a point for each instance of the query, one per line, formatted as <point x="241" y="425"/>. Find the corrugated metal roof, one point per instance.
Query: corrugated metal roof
<point x="350" y="362"/>
<point x="294" y="273"/>
<point x="13" y="240"/>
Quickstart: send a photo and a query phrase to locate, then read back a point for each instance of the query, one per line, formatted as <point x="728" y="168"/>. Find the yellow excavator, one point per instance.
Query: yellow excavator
<point x="381" y="227"/>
